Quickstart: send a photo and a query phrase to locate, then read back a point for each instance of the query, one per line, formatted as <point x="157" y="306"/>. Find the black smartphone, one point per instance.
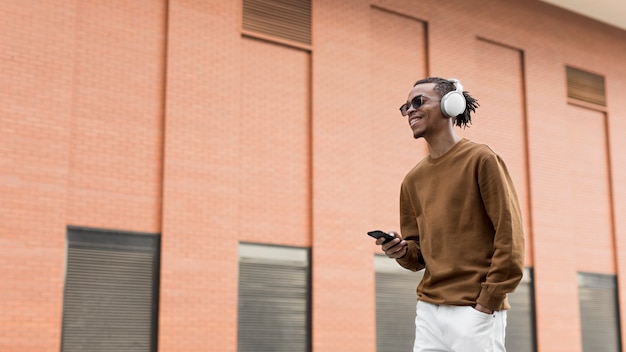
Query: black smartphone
<point x="378" y="234"/>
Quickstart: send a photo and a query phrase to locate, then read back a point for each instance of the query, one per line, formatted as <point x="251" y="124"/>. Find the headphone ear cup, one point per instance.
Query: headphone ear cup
<point x="453" y="104"/>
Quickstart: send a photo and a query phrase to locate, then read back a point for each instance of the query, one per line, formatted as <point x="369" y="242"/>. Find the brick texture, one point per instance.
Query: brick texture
<point x="160" y="117"/>
<point x="35" y="113"/>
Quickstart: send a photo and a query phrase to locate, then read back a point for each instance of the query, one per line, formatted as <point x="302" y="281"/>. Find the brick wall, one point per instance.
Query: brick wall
<point x="201" y="177"/>
<point x="37" y="44"/>
<point x="160" y="117"/>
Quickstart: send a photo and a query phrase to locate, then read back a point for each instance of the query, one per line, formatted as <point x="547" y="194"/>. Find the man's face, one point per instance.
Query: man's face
<point x="427" y="118"/>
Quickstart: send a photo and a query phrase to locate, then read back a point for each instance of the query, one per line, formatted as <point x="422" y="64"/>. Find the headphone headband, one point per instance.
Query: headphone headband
<point x="457" y="84"/>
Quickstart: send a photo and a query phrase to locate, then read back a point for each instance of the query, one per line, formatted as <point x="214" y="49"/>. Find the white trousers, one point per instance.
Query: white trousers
<point x="444" y="328"/>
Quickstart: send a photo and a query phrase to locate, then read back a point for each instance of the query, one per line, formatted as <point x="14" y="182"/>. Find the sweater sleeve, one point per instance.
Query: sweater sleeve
<point x="413" y="260"/>
<point x="501" y="203"/>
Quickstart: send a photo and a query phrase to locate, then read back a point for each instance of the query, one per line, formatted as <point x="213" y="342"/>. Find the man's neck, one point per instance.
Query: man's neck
<point x="439" y="146"/>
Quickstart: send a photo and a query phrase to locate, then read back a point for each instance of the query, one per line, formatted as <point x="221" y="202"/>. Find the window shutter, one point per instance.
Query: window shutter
<point x="520" y="331"/>
<point x="396" y="298"/>
<point x="273" y="305"/>
<point x="585" y="86"/>
<point x="285" y="19"/>
<point x="111" y="295"/>
<point x="599" y="312"/>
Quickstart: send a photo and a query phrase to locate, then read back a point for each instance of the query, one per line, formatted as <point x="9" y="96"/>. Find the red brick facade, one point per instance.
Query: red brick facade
<point x="160" y="117"/>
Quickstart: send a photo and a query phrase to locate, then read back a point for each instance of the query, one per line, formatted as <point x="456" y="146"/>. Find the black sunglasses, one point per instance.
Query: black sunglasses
<point x="415" y="102"/>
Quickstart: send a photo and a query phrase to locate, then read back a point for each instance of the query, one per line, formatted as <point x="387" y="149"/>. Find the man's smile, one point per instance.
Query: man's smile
<point x="414" y="119"/>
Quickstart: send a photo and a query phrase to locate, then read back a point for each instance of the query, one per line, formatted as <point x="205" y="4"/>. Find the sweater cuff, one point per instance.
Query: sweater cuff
<point x="411" y="259"/>
<point x="492" y="302"/>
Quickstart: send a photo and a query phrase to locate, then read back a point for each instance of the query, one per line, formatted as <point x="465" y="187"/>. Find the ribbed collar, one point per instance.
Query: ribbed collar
<point x="450" y="151"/>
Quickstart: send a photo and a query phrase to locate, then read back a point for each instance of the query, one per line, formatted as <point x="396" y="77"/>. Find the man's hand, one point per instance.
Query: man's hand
<point x="395" y="248"/>
<point x="479" y="307"/>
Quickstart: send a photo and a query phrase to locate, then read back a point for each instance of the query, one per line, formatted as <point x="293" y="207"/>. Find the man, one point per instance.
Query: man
<point x="460" y="221"/>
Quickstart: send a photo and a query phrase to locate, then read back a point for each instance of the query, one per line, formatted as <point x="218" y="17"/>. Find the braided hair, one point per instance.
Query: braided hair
<point x="443" y="86"/>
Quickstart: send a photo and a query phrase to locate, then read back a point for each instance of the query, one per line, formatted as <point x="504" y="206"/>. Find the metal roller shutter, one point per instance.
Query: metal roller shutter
<point x="273" y="307"/>
<point x="520" y="331"/>
<point x="395" y="305"/>
<point x="111" y="296"/>
<point x="599" y="312"/>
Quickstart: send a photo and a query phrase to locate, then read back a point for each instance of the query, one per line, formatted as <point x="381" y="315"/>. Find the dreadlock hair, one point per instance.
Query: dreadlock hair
<point x="443" y="86"/>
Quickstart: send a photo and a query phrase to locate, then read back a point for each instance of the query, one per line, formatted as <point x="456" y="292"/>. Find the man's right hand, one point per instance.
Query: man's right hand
<point x="395" y="248"/>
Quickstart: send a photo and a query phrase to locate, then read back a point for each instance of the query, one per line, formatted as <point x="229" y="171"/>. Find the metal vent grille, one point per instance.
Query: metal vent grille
<point x="599" y="312"/>
<point x="585" y="86"/>
<point x="273" y="303"/>
<point x="111" y="294"/>
<point x="285" y="19"/>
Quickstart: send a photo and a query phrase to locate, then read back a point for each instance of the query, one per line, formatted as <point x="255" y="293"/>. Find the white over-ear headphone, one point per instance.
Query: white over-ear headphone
<point x="453" y="103"/>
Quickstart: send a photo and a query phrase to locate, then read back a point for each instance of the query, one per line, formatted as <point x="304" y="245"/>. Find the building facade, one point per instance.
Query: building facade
<point x="179" y="175"/>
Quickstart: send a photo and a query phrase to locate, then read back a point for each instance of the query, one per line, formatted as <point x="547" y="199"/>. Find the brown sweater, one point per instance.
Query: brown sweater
<point x="460" y="216"/>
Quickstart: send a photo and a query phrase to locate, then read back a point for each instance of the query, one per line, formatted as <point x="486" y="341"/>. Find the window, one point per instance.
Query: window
<point x="585" y="86"/>
<point x="274" y="299"/>
<point x="599" y="312"/>
<point x="520" y="331"/>
<point x="396" y="298"/>
<point x="111" y="291"/>
<point x="283" y="20"/>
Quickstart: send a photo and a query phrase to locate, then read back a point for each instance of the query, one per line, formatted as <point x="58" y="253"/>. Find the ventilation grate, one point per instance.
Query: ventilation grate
<point x="284" y="19"/>
<point x="585" y="86"/>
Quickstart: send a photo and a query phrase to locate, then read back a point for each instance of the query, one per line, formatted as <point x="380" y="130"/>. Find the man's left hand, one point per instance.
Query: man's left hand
<point x="479" y="307"/>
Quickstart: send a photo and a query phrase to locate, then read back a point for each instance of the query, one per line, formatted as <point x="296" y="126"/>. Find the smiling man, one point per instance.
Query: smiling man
<point x="460" y="221"/>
